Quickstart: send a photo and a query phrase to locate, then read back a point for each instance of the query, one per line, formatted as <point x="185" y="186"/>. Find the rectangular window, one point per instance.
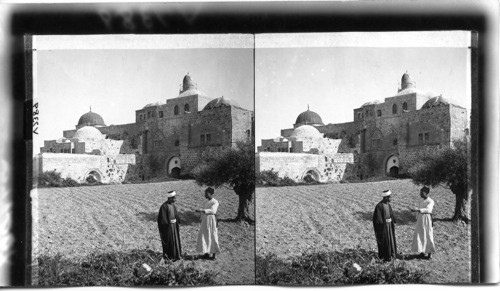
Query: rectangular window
<point x="423" y="137"/>
<point x="149" y="114"/>
<point x="202" y="138"/>
<point x="161" y="114"/>
<point x="379" y="113"/>
<point x="177" y="143"/>
<point x="72" y="151"/>
<point x="359" y="115"/>
<point x="208" y="137"/>
<point x="375" y="143"/>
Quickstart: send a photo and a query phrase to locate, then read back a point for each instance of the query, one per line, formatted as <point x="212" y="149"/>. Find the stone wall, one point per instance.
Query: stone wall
<point x="325" y="168"/>
<point x="111" y="169"/>
<point x="241" y="123"/>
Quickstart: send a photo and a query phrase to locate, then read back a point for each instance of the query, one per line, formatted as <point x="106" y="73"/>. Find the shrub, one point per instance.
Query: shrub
<point x="268" y="177"/>
<point x="68" y="182"/>
<point x="286" y="181"/>
<point x="50" y="179"/>
<point x="329" y="268"/>
<point x="119" y="269"/>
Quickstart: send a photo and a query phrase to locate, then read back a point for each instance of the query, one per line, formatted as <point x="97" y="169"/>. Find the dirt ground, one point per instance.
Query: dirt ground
<point x="76" y="222"/>
<point x="294" y="220"/>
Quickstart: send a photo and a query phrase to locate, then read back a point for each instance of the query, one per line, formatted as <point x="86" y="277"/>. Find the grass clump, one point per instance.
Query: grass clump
<point x="120" y="269"/>
<point x="332" y="268"/>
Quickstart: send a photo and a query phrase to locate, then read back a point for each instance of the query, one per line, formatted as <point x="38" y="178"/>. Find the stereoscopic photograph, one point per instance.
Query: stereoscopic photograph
<point x="363" y="158"/>
<point x="143" y="160"/>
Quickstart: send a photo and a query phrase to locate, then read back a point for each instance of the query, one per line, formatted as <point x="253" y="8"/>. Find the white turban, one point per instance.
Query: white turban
<point x="386" y="193"/>
<point x="170" y="194"/>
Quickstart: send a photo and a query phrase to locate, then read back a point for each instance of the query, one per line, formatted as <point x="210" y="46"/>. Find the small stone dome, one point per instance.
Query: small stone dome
<point x="219" y="102"/>
<point x="370" y="103"/>
<point x="88" y="132"/>
<point x="153" y="104"/>
<point x="306" y="131"/>
<point x="436" y="102"/>
<point x="90" y="119"/>
<point x="308" y="117"/>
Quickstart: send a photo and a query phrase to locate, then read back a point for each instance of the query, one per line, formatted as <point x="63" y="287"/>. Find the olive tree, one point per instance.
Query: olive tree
<point x="446" y="167"/>
<point x="232" y="168"/>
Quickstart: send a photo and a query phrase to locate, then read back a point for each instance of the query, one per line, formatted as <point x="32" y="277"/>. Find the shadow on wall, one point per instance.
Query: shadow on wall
<point x="403" y="217"/>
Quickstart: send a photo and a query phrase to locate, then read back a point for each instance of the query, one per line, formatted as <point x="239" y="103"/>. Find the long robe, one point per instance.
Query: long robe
<point x="169" y="231"/>
<point x="385" y="231"/>
<point x="208" y="239"/>
<point x="423" y="237"/>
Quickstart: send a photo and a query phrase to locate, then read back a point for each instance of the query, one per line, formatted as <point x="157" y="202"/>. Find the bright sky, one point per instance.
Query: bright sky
<point x="333" y="79"/>
<point x="118" y="82"/>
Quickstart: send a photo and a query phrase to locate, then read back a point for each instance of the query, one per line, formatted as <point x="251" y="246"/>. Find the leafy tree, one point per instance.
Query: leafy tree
<point x="446" y="167"/>
<point x="232" y="168"/>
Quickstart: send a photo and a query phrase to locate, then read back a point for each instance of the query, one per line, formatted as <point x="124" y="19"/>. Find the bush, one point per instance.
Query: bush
<point x="268" y="178"/>
<point x="119" y="269"/>
<point x="271" y="178"/>
<point x="286" y="181"/>
<point x="329" y="268"/>
<point x="68" y="182"/>
<point x="50" y="179"/>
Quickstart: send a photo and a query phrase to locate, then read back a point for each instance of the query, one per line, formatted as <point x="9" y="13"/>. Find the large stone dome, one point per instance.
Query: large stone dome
<point x="437" y="101"/>
<point x="90" y="119"/>
<point x="306" y="131"/>
<point x="308" y="117"/>
<point x="88" y="132"/>
<point x="219" y="102"/>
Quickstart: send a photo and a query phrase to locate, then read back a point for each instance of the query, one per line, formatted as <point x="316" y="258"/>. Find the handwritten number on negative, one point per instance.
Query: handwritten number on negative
<point x="35" y="118"/>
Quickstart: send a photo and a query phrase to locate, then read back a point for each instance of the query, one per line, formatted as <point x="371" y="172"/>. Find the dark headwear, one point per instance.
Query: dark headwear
<point x="210" y="190"/>
<point x="425" y="189"/>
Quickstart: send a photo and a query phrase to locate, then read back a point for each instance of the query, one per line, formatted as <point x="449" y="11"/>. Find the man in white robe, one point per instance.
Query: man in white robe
<point x="208" y="240"/>
<point x="423" y="237"/>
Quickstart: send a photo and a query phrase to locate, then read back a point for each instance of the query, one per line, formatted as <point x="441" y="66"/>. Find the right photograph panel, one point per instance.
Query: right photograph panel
<point x="363" y="158"/>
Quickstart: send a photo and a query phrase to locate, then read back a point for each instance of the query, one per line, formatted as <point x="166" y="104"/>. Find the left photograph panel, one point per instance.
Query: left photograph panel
<point x="143" y="160"/>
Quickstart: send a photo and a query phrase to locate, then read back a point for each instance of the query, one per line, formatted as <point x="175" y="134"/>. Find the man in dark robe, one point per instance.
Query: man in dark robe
<point x="383" y="224"/>
<point x="168" y="225"/>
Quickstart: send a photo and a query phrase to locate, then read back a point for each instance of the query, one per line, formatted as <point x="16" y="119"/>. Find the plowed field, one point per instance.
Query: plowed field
<point x="76" y="222"/>
<point x="293" y="220"/>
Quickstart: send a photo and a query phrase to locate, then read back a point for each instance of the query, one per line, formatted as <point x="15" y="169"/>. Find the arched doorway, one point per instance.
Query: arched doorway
<point x="93" y="176"/>
<point x="311" y="175"/>
<point x="392" y="166"/>
<point x="174" y="167"/>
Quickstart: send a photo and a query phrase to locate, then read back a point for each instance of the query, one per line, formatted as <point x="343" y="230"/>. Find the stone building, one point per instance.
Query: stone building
<point x="305" y="153"/>
<point x="87" y="153"/>
<point x="386" y="136"/>
<point x="167" y="138"/>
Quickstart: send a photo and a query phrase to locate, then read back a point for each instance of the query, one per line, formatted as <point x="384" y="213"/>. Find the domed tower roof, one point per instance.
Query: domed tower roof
<point x="305" y="131"/>
<point x="90" y="119"/>
<point x="406" y="82"/>
<point x="219" y="102"/>
<point x="88" y="132"/>
<point x="308" y="117"/>
<point x="187" y="83"/>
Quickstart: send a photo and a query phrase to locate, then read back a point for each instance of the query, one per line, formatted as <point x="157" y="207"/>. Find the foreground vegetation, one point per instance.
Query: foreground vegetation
<point x="293" y="221"/>
<point x="334" y="267"/>
<point x="120" y="269"/>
